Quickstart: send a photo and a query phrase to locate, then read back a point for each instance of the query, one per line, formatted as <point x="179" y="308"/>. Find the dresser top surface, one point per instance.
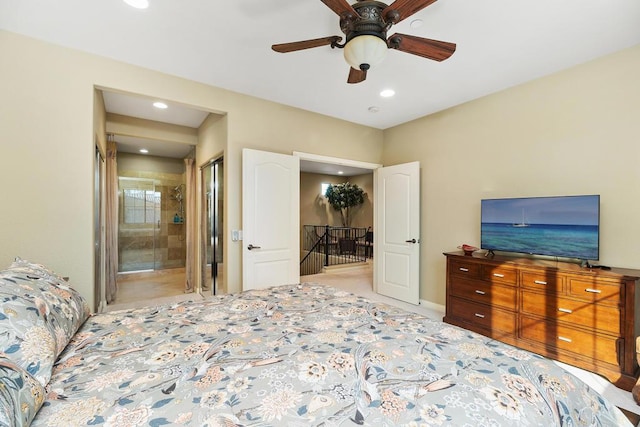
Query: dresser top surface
<point x="547" y="264"/>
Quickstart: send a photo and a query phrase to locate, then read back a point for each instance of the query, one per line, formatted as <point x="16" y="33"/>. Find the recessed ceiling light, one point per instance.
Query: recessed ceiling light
<point x="144" y="150"/>
<point x="374" y="109"/>
<point x="387" y="93"/>
<point x="340" y="172"/>
<point x="160" y="105"/>
<point x="416" y="23"/>
<point x="138" y="4"/>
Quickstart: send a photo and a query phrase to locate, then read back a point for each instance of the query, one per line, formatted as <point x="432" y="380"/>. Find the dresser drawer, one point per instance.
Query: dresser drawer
<point x="587" y="318"/>
<point x="596" y="291"/>
<point x="484" y="316"/>
<point x="600" y="317"/>
<point x="483" y="292"/>
<point x="547" y="282"/>
<point x="556" y="336"/>
<point x="463" y="268"/>
<point x="499" y="274"/>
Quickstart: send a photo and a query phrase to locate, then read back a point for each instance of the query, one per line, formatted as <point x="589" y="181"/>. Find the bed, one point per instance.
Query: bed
<point x="292" y="355"/>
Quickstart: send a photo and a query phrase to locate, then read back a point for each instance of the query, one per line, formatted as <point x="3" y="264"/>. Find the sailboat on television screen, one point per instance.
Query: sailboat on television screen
<point x="521" y="224"/>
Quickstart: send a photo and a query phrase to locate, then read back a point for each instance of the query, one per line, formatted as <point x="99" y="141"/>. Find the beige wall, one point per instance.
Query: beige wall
<point x="142" y="128"/>
<point x="47" y="134"/>
<point x="571" y="133"/>
<point x="140" y="162"/>
<point x="363" y="216"/>
<point x="212" y="139"/>
<point x="315" y="210"/>
<point x="272" y="127"/>
<point x="575" y="132"/>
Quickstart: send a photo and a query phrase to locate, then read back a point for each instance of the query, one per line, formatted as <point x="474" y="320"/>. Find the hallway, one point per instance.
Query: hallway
<point x="144" y="288"/>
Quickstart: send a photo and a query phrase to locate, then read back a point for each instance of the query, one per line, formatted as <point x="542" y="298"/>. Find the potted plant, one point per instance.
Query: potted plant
<point x="343" y="197"/>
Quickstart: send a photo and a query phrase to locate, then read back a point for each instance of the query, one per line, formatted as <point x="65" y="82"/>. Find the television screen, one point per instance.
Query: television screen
<point x="564" y="226"/>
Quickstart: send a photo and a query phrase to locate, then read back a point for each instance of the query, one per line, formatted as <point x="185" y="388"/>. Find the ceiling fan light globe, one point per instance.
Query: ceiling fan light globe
<point x="365" y="50"/>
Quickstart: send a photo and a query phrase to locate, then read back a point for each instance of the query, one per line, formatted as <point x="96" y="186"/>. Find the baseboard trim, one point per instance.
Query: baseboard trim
<point x="440" y="309"/>
<point x="340" y="268"/>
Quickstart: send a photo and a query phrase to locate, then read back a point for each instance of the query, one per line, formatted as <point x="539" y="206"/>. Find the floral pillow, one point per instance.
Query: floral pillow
<point x="21" y="395"/>
<point x="65" y="306"/>
<point x="34" y="268"/>
<point x="39" y="313"/>
<point x="27" y="335"/>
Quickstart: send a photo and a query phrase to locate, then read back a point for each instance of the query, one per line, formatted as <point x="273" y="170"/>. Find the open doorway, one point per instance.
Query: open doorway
<point x="155" y="147"/>
<point x="396" y="218"/>
<point x="331" y="249"/>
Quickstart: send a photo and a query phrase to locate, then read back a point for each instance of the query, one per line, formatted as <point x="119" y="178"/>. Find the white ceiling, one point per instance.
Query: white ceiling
<point x="155" y="147"/>
<point x="500" y="43"/>
<point x="331" y="169"/>
<point x="142" y="107"/>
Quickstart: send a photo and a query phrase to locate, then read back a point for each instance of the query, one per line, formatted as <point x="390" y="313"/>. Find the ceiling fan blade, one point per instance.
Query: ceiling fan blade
<point x="402" y="9"/>
<point x="356" y="76"/>
<point x="427" y="48"/>
<point x="305" y="44"/>
<point x="341" y="8"/>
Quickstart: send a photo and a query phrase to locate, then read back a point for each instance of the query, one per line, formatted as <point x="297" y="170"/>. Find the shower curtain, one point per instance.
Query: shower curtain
<point x="191" y="225"/>
<point x="111" y="221"/>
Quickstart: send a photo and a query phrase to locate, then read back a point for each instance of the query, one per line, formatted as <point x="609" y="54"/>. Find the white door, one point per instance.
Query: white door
<point x="397" y="232"/>
<point x="270" y="219"/>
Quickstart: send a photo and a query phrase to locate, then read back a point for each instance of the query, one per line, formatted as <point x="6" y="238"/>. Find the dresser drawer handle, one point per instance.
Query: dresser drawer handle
<point x="498" y="275"/>
<point x="466" y="270"/>
<point x="479" y="292"/>
<point x="593" y="291"/>
<point x="565" y="310"/>
<point x="539" y="282"/>
<point x="565" y="339"/>
<point x="480" y="315"/>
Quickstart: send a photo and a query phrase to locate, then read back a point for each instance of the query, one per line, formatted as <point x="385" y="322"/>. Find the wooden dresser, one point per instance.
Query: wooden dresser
<point x="580" y="316"/>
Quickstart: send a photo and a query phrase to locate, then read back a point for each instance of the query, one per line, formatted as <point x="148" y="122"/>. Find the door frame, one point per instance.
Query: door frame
<point x="217" y="234"/>
<point x="336" y="161"/>
<point x="364" y="165"/>
<point x="352" y="163"/>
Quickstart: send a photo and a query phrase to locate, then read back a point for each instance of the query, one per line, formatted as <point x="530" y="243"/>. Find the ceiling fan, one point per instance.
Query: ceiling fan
<point x="365" y="25"/>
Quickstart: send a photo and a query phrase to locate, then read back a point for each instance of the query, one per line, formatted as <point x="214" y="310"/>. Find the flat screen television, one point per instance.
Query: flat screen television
<point x="562" y="226"/>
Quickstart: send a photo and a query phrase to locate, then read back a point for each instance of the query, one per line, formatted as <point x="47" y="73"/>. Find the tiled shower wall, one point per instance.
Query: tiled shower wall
<point x="149" y="246"/>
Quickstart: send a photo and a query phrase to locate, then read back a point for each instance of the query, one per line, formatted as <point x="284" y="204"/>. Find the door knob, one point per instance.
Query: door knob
<point x="253" y="247"/>
<point x="411" y="241"/>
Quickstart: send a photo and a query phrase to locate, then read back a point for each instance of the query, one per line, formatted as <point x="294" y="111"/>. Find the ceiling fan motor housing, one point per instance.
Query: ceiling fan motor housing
<point x="369" y="23"/>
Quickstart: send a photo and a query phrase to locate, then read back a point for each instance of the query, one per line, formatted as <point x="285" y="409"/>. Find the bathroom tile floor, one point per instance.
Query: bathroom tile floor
<point x="142" y="288"/>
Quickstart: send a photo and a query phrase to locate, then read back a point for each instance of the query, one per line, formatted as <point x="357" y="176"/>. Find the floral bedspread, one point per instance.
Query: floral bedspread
<point x="304" y="355"/>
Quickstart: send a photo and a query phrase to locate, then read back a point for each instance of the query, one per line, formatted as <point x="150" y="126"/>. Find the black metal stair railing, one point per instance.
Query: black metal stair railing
<point x="324" y="246"/>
